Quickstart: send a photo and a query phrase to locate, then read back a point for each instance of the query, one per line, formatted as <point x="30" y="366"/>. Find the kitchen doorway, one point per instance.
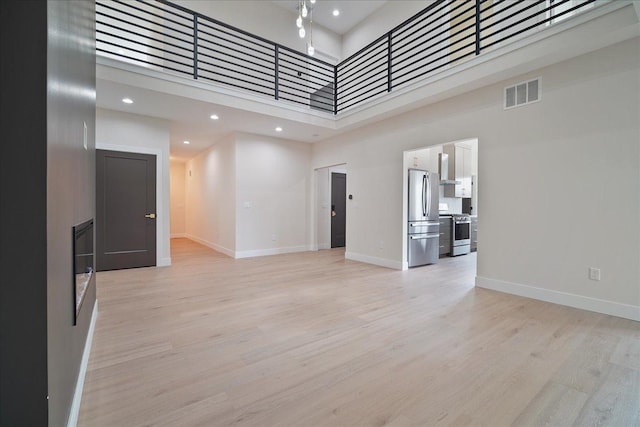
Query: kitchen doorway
<point x="456" y="163"/>
<point x="331" y="207"/>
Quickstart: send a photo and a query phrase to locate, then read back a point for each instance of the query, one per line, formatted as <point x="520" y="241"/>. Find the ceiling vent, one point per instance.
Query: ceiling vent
<point x="522" y="93"/>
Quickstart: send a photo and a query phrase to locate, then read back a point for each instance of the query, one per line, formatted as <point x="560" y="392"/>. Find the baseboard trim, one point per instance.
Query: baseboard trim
<point x="164" y="262"/>
<point x="382" y="262"/>
<point x="571" y="300"/>
<point x="324" y="246"/>
<point x="178" y="235"/>
<point x="211" y="245"/>
<point x="271" y="251"/>
<point x="77" y="395"/>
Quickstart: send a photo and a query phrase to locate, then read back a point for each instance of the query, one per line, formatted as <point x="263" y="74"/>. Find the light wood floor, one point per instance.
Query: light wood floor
<point x="311" y="339"/>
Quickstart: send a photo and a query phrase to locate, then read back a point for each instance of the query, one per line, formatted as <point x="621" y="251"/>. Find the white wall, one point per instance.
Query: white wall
<point x="556" y="176"/>
<point x="211" y="197"/>
<point x="269" y="21"/>
<point x="322" y="238"/>
<point x="474" y="173"/>
<point x="273" y="181"/>
<point x="177" y="196"/>
<point x="140" y="134"/>
<point x="379" y="22"/>
<point x="248" y="195"/>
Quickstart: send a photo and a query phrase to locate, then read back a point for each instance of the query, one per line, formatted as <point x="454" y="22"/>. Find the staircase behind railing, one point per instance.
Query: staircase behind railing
<point x="164" y="36"/>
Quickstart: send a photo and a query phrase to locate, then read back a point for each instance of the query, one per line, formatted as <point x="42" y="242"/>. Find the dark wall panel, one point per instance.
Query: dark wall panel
<point x="47" y="185"/>
<point x="23" y="219"/>
<point x="70" y="188"/>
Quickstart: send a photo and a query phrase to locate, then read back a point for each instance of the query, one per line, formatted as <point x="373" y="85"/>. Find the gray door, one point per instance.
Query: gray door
<point x="125" y="210"/>
<point x="338" y="209"/>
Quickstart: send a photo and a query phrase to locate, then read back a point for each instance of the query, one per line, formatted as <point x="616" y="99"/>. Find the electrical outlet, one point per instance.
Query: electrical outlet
<point x="274" y="237"/>
<point x="381" y="245"/>
<point x="594" y="273"/>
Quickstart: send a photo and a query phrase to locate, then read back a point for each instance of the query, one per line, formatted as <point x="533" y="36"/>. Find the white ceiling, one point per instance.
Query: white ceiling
<point x="351" y="12"/>
<point x="189" y="119"/>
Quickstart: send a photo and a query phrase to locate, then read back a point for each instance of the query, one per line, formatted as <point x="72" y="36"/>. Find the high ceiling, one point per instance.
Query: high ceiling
<point x="351" y="12"/>
<point x="189" y="119"/>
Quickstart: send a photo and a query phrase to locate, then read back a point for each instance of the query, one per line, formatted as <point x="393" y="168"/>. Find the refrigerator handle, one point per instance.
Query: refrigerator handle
<point x="428" y="190"/>
<point x="424" y="189"/>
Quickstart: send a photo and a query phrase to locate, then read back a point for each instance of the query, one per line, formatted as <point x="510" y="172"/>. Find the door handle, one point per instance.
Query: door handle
<point x="152" y="216"/>
<point x="421" y="237"/>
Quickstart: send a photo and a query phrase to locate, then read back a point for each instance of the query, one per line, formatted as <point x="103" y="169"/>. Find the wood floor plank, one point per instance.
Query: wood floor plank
<point x="555" y="405"/>
<point x="312" y="339"/>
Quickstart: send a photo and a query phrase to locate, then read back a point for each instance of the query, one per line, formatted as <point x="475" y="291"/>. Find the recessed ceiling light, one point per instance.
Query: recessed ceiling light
<point x="336" y="12"/>
<point x="214" y="117"/>
<point x="186" y="142"/>
<point x="278" y="129"/>
<point x="127" y="100"/>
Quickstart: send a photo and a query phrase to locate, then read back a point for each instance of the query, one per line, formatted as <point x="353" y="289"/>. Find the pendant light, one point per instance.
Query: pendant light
<point x="305" y="13"/>
<point x="310" y="49"/>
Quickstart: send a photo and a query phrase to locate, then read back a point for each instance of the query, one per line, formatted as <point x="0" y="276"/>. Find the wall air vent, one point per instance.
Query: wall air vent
<point x="522" y="93"/>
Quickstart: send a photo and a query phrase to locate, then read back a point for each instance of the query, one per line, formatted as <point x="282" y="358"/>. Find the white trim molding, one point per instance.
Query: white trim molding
<point x="178" y="235"/>
<point x="270" y="251"/>
<point x="77" y="395"/>
<point x="249" y="253"/>
<point x="382" y="262"/>
<point x="211" y="245"/>
<point x="617" y="309"/>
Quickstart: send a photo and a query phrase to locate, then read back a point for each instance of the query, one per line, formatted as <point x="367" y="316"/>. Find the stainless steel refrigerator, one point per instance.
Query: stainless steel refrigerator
<point x="423" y="226"/>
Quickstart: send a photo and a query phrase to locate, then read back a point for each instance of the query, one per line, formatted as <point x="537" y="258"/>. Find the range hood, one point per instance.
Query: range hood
<point x="443" y="170"/>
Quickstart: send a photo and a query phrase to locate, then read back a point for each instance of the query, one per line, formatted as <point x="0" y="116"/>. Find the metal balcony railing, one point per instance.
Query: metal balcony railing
<point x="163" y="36"/>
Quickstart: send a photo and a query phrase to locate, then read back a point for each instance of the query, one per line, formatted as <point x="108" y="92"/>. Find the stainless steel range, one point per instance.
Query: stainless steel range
<point x="460" y="234"/>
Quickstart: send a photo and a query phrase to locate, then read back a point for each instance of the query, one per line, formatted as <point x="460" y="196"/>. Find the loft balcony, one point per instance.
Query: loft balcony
<point x="450" y="47"/>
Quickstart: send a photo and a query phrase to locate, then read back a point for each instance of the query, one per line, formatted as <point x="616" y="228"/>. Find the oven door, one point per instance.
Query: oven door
<point x="461" y="233"/>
